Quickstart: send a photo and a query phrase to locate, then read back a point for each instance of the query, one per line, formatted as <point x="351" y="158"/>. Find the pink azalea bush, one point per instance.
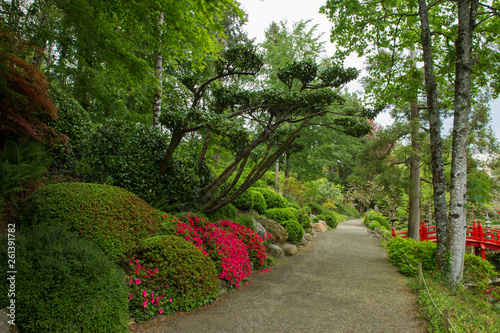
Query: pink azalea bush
<point x="254" y="243"/>
<point x="145" y="300"/>
<point x="229" y="253"/>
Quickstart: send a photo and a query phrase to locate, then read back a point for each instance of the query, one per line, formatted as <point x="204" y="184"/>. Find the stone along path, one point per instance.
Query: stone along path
<point x="342" y="283"/>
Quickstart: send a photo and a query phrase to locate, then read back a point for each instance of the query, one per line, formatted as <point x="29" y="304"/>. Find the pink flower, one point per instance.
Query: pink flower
<point x="145" y="303"/>
<point x="144" y="293"/>
<point x="131" y="262"/>
<point x="130" y="282"/>
<point x="161" y="311"/>
<point x="130" y="296"/>
<point x="170" y="300"/>
<point x="138" y="281"/>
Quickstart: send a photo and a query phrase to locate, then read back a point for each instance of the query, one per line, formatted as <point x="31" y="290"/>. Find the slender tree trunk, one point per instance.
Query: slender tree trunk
<point x="414" y="195"/>
<point x="286" y="191"/>
<point x="199" y="165"/>
<point x="159" y="85"/>
<point x="467" y="11"/>
<point x="277" y="177"/>
<point x="438" y="179"/>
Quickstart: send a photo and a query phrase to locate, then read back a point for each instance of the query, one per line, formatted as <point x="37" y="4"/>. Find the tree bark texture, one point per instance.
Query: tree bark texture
<point x="157" y="98"/>
<point x="438" y="179"/>
<point x="277" y="177"/>
<point x="414" y="195"/>
<point x="467" y="10"/>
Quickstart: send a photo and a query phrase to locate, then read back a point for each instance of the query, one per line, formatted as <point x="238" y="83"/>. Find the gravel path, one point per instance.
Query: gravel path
<point x="341" y="283"/>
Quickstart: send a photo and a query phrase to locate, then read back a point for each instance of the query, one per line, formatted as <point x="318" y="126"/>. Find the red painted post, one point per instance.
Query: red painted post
<point x="480" y="230"/>
<point x="393" y="232"/>
<point x="423" y="231"/>
<point x="474" y="229"/>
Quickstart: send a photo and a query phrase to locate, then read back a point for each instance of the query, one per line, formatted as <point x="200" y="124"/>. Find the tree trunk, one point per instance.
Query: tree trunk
<point x="414" y="195"/>
<point x="438" y="179"/>
<point x="199" y="165"/>
<point x="286" y="191"/>
<point x="277" y="177"/>
<point x="467" y="10"/>
<point x="157" y="98"/>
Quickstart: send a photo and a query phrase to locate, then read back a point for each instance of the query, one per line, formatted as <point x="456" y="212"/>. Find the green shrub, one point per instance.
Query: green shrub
<point x="294" y="205"/>
<point x="316" y="209"/>
<point x="245" y="221"/>
<point x="114" y="219"/>
<point x="374" y="225"/>
<point x="227" y="212"/>
<point x="64" y="284"/>
<point x="348" y="211"/>
<point x="244" y="201"/>
<point x="383" y="222"/>
<point x="478" y="271"/>
<point x="319" y="217"/>
<point x="332" y="219"/>
<point x="366" y="216"/>
<point x="260" y="183"/>
<point x="406" y="253"/>
<point x="294" y="230"/>
<point x="281" y="214"/>
<point x="303" y="218"/>
<point x="186" y="274"/>
<point x="273" y="199"/>
<point x="259" y="202"/>
<point x="307" y="209"/>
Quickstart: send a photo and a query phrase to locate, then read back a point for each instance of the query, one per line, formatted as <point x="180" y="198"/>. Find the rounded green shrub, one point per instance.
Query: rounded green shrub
<point x="316" y="209"/>
<point x="478" y="271"/>
<point x="244" y="201"/>
<point x="273" y="199"/>
<point x="366" y="216"/>
<point x="383" y="222"/>
<point x="226" y="212"/>
<point x="259" y="202"/>
<point x="406" y="253"/>
<point x="332" y="219"/>
<point x="374" y="225"/>
<point x="348" y="211"/>
<point x="260" y="183"/>
<point x="281" y="214"/>
<point x="307" y="209"/>
<point x="64" y="284"/>
<point x="294" y="230"/>
<point x="185" y="273"/>
<point x="111" y="217"/>
<point x="303" y="218"/>
<point x="294" y="205"/>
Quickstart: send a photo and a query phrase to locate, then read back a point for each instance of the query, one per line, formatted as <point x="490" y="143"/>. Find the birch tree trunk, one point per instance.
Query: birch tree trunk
<point x="159" y="86"/>
<point x="414" y="195"/>
<point x="438" y="179"/>
<point x="467" y="11"/>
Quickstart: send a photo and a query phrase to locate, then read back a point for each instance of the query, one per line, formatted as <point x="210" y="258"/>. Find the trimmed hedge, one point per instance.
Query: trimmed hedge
<point x="273" y="199"/>
<point x="259" y="202"/>
<point x="281" y="214"/>
<point x="186" y="275"/>
<point x="111" y="217"/>
<point x="383" y="222"/>
<point x="226" y="212"/>
<point x="294" y="230"/>
<point x="64" y="284"/>
<point x="244" y="201"/>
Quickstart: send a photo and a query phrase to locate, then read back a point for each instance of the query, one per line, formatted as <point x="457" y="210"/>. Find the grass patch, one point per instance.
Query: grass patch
<point x="470" y="309"/>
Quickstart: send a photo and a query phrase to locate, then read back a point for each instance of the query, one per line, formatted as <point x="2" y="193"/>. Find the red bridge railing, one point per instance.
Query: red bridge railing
<point x="476" y="236"/>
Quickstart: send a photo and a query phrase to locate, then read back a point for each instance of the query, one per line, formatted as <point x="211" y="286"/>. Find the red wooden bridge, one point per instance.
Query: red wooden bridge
<point x="477" y="236"/>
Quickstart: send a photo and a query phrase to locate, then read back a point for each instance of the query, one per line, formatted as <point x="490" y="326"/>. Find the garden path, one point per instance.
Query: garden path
<point x="340" y="283"/>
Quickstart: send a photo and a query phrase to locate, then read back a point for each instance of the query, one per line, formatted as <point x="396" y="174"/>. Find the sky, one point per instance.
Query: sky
<point x="261" y="13"/>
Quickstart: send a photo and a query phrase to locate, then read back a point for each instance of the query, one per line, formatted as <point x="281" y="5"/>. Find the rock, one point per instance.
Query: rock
<point x="289" y="249"/>
<point x="4" y="323"/>
<point x="275" y="251"/>
<point x="321" y="226"/>
<point x="275" y="229"/>
<point x="261" y="231"/>
<point x="222" y="287"/>
<point x="308" y="238"/>
<point x="312" y="217"/>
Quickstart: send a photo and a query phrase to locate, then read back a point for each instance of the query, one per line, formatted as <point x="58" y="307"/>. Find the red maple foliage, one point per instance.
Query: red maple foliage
<point x="25" y="102"/>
